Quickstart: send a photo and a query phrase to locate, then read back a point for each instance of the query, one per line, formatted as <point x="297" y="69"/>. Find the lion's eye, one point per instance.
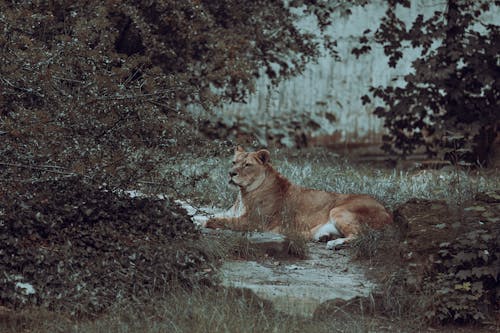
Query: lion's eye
<point x="233" y="162"/>
<point x="247" y="164"/>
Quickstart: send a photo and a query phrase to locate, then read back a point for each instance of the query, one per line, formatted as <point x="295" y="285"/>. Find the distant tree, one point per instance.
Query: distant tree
<point x="99" y="87"/>
<point x="450" y="102"/>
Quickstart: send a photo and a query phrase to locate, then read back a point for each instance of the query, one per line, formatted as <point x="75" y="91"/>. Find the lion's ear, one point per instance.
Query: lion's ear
<point x="264" y="156"/>
<point x="239" y="149"/>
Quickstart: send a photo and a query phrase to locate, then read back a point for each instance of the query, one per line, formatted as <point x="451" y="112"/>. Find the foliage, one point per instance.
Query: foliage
<point x="449" y="103"/>
<point x="84" y="248"/>
<point x="96" y="88"/>
<point x="281" y="130"/>
<point x="437" y="265"/>
<point x="466" y="277"/>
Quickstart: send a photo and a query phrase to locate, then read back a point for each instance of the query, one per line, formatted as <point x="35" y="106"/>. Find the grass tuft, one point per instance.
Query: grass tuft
<point x="297" y="244"/>
<point x="376" y="245"/>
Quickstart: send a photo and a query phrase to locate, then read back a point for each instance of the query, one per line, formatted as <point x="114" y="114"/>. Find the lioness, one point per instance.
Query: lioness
<point x="268" y="200"/>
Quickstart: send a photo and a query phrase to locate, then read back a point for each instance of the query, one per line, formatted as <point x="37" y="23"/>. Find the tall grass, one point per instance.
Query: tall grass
<point x="330" y="173"/>
<point x="196" y="311"/>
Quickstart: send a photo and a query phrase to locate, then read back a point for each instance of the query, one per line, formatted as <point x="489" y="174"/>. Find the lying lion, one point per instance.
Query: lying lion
<point x="269" y="202"/>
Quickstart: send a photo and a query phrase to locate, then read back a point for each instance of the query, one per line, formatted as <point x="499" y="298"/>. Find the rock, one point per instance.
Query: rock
<point x="268" y="242"/>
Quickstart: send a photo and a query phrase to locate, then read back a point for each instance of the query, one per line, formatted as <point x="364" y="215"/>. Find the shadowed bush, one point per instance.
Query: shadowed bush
<point x="84" y="248"/>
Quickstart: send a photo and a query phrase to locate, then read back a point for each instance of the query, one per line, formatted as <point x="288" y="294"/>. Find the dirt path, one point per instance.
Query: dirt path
<point x="299" y="286"/>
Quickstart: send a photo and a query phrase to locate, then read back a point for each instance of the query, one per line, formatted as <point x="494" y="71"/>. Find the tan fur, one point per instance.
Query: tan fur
<point x="272" y="203"/>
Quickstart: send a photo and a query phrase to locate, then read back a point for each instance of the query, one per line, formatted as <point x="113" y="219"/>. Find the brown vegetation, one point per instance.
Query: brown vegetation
<point x="445" y="264"/>
<point x="83" y="249"/>
<point x="98" y="88"/>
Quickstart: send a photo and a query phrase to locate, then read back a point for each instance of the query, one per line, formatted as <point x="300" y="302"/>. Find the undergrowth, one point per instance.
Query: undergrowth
<point x="435" y="268"/>
<point x="464" y="277"/>
<point x="197" y="311"/>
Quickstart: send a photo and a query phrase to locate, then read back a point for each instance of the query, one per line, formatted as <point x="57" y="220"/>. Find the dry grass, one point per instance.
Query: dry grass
<point x="196" y="311"/>
<point x="220" y="311"/>
<point x="297" y="244"/>
<point x="238" y="245"/>
<point x="328" y="172"/>
<point x="395" y="297"/>
<point x="377" y="245"/>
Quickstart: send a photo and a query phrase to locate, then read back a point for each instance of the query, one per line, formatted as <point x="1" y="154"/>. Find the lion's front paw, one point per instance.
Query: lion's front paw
<point x="214" y="223"/>
<point x="336" y="243"/>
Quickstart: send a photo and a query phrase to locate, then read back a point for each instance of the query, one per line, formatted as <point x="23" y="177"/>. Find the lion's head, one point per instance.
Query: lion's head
<point x="249" y="168"/>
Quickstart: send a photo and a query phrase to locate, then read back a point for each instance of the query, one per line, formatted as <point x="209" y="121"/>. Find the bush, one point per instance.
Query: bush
<point x="441" y="263"/>
<point x="83" y="248"/>
<point x="465" y="278"/>
<point x="98" y="88"/>
<point x="449" y="101"/>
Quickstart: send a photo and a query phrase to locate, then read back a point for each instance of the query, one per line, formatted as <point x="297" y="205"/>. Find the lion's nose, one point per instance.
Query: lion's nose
<point x="232" y="173"/>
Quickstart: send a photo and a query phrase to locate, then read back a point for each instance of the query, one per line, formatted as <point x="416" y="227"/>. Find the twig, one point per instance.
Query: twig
<point x="109" y="129"/>
<point x="28" y="90"/>
<point x="157" y="183"/>
<point x="120" y="98"/>
<point x="46" y="168"/>
<point x="67" y="79"/>
<point x="52" y="166"/>
<point x="30" y="180"/>
<point x="155" y="103"/>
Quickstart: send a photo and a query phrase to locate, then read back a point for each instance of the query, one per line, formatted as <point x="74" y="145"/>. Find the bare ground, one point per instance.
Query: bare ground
<point x="297" y="287"/>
